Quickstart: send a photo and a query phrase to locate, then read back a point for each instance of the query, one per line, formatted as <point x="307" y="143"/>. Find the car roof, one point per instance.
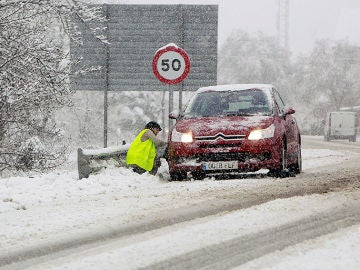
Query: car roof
<point x="234" y="87"/>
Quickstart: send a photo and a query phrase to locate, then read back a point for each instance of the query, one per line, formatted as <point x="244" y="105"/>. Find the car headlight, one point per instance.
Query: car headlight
<point x="259" y="134"/>
<point x="182" y="137"/>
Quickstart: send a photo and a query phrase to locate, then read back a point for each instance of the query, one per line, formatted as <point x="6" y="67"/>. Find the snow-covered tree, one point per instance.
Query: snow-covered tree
<point x="34" y="72"/>
<point x="326" y="80"/>
<point x="246" y="58"/>
<point x="332" y="71"/>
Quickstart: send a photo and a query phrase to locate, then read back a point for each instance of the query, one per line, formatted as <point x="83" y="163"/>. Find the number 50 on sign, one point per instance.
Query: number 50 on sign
<point x="171" y="64"/>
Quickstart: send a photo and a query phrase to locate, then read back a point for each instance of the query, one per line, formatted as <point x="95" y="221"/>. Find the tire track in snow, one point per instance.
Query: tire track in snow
<point x="240" y="250"/>
<point x="304" y="184"/>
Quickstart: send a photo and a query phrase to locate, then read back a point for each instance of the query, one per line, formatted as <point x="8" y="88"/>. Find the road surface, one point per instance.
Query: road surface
<point x="134" y="244"/>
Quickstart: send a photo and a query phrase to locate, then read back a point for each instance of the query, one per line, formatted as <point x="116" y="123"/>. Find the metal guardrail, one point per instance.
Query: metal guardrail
<point x="93" y="160"/>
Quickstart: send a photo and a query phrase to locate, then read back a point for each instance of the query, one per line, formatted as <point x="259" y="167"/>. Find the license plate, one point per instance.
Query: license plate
<point x="220" y="165"/>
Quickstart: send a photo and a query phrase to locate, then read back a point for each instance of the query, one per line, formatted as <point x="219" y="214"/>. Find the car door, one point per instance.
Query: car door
<point x="289" y="123"/>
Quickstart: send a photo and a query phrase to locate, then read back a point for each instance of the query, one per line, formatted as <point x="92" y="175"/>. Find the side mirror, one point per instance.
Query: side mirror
<point x="288" y="110"/>
<point x="174" y="114"/>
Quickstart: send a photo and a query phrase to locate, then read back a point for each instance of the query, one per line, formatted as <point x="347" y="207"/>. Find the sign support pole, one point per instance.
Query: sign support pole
<point x="181" y="96"/>
<point x="106" y="79"/>
<point x="171" y="104"/>
<point x="163" y="111"/>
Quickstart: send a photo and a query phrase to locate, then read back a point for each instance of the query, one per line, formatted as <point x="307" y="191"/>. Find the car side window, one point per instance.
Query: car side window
<point x="279" y="102"/>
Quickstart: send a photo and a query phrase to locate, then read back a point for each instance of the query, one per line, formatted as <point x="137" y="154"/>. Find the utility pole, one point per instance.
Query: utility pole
<point x="106" y="89"/>
<point x="283" y="24"/>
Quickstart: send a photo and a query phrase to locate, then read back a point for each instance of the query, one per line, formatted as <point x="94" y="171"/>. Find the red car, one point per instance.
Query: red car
<point x="238" y="128"/>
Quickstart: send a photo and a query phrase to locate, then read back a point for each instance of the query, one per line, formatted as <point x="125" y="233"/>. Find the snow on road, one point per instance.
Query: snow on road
<point x="339" y="250"/>
<point x="56" y="206"/>
<point x="193" y="235"/>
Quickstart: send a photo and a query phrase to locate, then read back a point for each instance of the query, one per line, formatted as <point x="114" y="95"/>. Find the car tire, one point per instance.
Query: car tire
<point x="296" y="167"/>
<point x="282" y="170"/>
<point x="327" y="137"/>
<point x="198" y="175"/>
<point x="177" y="176"/>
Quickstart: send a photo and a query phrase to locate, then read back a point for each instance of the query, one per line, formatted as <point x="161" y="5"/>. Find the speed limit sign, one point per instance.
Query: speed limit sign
<point x="171" y="64"/>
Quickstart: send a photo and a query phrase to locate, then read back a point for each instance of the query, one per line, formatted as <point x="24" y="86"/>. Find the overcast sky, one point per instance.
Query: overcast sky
<point x="310" y="20"/>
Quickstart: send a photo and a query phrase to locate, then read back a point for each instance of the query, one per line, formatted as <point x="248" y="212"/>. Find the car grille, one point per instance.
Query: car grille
<point x="220" y="136"/>
<point x="240" y="156"/>
<point x="219" y="145"/>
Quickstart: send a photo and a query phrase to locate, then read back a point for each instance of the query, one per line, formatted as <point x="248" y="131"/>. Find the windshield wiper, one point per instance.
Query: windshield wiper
<point x="238" y="114"/>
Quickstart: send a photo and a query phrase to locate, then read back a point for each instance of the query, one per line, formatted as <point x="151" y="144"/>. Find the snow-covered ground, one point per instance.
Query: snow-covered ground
<point x="57" y="206"/>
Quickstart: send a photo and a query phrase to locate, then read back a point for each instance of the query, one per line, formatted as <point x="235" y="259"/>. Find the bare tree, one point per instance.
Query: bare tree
<point x="34" y="77"/>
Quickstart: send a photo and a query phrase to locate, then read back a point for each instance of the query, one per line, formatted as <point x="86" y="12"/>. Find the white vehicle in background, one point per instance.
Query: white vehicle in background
<point x="340" y="125"/>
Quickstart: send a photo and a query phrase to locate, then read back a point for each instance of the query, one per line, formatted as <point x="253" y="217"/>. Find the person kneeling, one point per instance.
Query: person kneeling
<point x="141" y="155"/>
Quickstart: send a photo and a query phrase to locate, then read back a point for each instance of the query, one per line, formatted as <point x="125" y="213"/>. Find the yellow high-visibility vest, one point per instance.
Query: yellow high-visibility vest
<point x="141" y="153"/>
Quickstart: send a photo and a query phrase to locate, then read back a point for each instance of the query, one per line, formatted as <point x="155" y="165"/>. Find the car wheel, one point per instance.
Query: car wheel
<point x="297" y="166"/>
<point x="177" y="176"/>
<point x="198" y="175"/>
<point x="282" y="170"/>
<point x="327" y="137"/>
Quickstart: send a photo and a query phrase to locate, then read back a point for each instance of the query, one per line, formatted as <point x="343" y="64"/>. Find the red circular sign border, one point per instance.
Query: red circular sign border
<point x="183" y="54"/>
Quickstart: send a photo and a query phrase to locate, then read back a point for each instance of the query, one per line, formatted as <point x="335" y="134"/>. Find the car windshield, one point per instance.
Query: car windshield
<point x="227" y="103"/>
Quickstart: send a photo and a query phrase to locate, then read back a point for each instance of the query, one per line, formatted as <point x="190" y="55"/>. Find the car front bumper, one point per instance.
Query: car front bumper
<point x="250" y="155"/>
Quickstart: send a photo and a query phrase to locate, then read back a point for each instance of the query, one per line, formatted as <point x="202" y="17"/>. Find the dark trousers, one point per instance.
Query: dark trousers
<point x="157" y="164"/>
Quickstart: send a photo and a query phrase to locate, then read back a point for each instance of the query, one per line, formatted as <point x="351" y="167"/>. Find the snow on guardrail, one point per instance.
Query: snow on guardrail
<point x="93" y="160"/>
